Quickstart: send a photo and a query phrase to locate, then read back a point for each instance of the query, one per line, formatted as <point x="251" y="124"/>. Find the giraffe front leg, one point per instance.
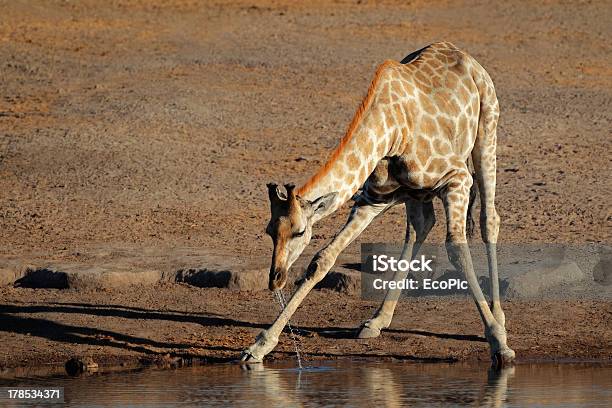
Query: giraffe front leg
<point x="455" y="205"/>
<point x="263" y="345"/>
<point x="372" y="328"/>
<point x="268" y="339"/>
<point x="360" y="218"/>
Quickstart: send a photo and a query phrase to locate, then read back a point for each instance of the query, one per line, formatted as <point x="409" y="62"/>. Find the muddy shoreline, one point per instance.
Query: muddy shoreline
<point x="142" y="325"/>
<point x="132" y="365"/>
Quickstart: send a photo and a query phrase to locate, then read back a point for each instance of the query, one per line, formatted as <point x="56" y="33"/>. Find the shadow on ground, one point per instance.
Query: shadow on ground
<point x="13" y="320"/>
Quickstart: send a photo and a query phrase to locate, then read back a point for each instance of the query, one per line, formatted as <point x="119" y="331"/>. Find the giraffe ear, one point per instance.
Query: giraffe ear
<point x="291" y="197"/>
<point x="323" y="203"/>
<point x="276" y="196"/>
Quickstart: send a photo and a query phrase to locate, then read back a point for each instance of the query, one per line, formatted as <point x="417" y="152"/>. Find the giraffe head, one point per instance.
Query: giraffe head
<point x="290" y="228"/>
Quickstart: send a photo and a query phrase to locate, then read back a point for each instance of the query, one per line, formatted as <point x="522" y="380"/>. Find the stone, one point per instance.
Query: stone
<point x="341" y="281"/>
<point x="253" y="279"/>
<point x="79" y="365"/>
<point x="77" y="276"/>
<point x="43" y="277"/>
<point x="533" y="279"/>
<point x="602" y="273"/>
<point x="11" y="271"/>
<point x="109" y="278"/>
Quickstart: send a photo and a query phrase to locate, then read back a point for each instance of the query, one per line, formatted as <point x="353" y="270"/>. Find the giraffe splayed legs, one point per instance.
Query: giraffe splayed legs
<point x="409" y="142"/>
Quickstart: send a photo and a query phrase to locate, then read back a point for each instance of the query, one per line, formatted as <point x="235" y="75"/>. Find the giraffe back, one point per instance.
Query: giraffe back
<point x="432" y="103"/>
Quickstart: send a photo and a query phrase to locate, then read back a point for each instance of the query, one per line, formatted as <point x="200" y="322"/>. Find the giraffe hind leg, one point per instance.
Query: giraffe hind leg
<point x="455" y="199"/>
<point x="484" y="159"/>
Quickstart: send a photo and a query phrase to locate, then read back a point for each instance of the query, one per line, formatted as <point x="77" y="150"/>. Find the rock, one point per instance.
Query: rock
<point x="79" y="365"/>
<point x="341" y="281"/>
<point x="254" y="279"/>
<point x="77" y="276"/>
<point x="602" y="273"/>
<point x="109" y="278"/>
<point x="533" y="280"/>
<point x="43" y="277"/>
<point x="11" y="271"/>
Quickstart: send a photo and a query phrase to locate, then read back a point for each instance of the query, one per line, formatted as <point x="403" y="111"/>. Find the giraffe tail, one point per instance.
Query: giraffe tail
<point x="470" y="223"/>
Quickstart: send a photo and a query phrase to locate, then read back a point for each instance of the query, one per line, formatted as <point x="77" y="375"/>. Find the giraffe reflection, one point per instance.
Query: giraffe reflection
<point x="277" y="391"/>
<point x="386" y="385"/>
<point x="494" y="393"/>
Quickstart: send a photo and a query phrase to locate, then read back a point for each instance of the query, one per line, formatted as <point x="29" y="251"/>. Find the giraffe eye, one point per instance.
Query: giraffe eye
<point x="298" y="234"/>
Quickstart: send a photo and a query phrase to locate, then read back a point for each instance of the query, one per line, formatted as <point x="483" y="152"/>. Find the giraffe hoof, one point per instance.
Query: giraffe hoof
<point x="503" y="358"/>
<point x="248" y="358"/>
<point x="367" y="332"/>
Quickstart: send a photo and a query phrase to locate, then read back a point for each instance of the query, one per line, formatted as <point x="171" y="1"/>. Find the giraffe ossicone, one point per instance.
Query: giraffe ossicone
<point x="422" y="121"/>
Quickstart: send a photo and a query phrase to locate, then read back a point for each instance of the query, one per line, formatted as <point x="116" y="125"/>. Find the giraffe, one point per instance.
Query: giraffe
<point x="422" y="121"/>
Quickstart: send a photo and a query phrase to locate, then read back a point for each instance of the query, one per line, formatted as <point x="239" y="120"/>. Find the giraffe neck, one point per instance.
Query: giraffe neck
<point x="367" y="141"/>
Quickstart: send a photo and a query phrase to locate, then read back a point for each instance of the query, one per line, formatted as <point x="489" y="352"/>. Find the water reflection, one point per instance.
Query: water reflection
<point x="494" y="393"/>
<point x="381" y="389"/>
<point x="277" y="389"/>
<point x="338" y="384"/>
<point x="388" y="387"/>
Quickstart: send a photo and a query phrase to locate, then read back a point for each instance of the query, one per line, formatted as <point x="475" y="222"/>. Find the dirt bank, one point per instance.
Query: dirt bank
<point x="129" y="325"/>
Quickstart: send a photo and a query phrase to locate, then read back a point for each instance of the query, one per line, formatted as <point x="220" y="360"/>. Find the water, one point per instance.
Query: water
<point x="340" y="384"/>
<point x="282" y="302"/>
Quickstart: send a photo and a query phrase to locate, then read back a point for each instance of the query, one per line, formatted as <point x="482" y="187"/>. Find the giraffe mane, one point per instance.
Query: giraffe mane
<point x="365" y="104"/>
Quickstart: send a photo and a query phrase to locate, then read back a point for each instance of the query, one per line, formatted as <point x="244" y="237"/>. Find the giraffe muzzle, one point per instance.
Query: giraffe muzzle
<point x="278" y="279"/>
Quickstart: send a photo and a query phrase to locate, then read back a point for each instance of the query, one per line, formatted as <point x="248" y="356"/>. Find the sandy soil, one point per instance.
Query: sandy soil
<point x="157" y="124"/>
<point x="127" y="327"/>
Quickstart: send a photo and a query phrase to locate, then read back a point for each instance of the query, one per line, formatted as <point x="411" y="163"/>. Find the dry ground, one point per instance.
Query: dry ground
<point x="157" y="124"/>
<point x="49" y="326"/>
